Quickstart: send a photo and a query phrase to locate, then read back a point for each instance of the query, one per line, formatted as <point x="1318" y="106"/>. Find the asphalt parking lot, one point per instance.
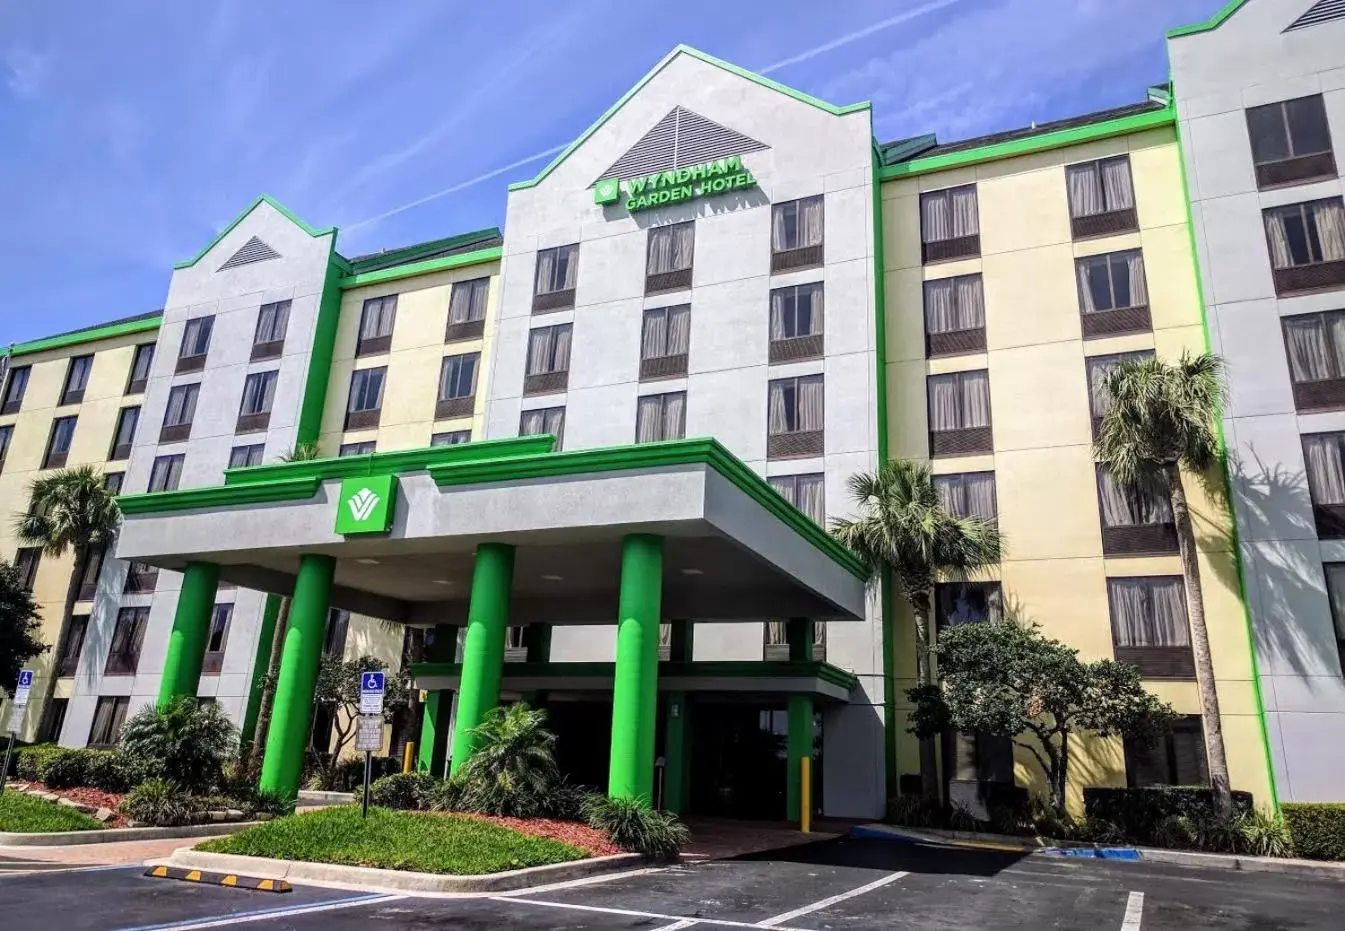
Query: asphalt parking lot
<point x="838" y="884"/>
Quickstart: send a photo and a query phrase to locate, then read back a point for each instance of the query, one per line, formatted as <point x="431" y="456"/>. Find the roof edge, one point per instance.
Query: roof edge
<point x="1214" y="22"/>
<point x="262" y="198"/>
<point x="411" y="252"/>
<point x="93" y="334"/>
<point x="461" y="259"/>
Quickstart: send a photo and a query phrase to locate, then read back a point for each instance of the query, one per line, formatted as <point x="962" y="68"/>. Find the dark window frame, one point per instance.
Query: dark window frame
<point x="791" y="482"/>
<point x="1152" y="538"/>
<point x="667" y="364"/>
<point x="194" y="361"/>
<point x="119" y="705"/>
<point x="799" y="255"/>
<point x="357" y="448"/>
<point x="1294" y="167"/>
<point x="121" y="445"/>
<point x="79" y="368"/>
<point x="675" y="279"/>
<point x="1115" y="319"/>
<point x="1315" y="274"/>
<point x="1111" y="219"/>
<point x="136" y="379"/>
<point x="1154" y="661"/>
<point x="365" y="417"/>
<point x="127" y="641"/>
<point x="794" y="442"/>
<point x="474" y="326"/>
<point x="27" y="560"/>
<point x="379" y="341"/>
<point x="455" y="403"/>
<point x="6" y="439"/>
<point x="547" y="415"/>
<point x="170" y="466"/>
<point x="663" y="400"/>
<point x="256" y="416"/>
<point x="450" y="438"/>
<point x="71" y="646"/>
<point x="952" y="342"/>
<point x="949" y="248"/>
<point x="248" y="452"/>
<point x="177" y="426"/>
<point x="555" y="298"/>
<point x="1166" y="748"/>
<point x="268" y="337"/>
<point x="962" y="440"/>
<point x="960" y="480"/>
<point x="213" y="660"/>
<point x="1318" y="394"/>
<point x="16" y="387"/>
<point x="55" y="458"/>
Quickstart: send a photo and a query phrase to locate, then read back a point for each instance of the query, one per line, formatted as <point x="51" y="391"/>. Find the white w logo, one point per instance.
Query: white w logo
<point x="362" y="504"/>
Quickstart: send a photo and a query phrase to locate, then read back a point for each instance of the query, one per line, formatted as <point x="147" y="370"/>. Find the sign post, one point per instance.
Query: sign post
<point x="16" y="711"/>
<point x="369" y="727"/>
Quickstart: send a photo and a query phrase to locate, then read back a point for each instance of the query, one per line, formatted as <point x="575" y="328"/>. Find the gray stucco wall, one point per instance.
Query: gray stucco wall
<point x="1248" y="61"/>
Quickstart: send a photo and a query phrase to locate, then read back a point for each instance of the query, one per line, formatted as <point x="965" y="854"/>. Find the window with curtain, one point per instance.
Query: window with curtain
<point x="1335" y="594"/>
<point x="468" y="301"/>
<point x="949" y="214"/>
<point x="666" y="332"/>
<point x="16" y="385"/>
<point x="796" y="224"/>
<point x="366" y="390"/>
<point x="124" y="436"/>
<point x="1288" y="129"/>
<point x="334" y="634"/>
<point x="166" y="473"/>
<point x="76" y="379"/>
<point x="362" y="448"/>
<point x="1306" y="234"/>
<point x="1176" y="759"/>
<point x="954" y="304"/>
<point x="243" y="457"/>
<point x="58" y="444"/>
<point x="6" y="435"/>
<point x="377" y="317"/>
<point x="67" y="661"/>
<point x="196" y="337"/>
<point x="259" y="392"/>
<point x="273" y="321"/>
<point x="451" y="438"/>
<point x="26" y="560"/>
<point x="959" y="401"/>
<point x="181" y="407"/>
<point x="549" y="349"/>
<point x="1324" y="458"/>
<point x="140" y="366"/>
<point x="457" y="376"/>
<point x="1114" y="281"/>
<point x="1100" y="187"/>
<point x="1133" y="505"/>
<point x="545" y="420"/>
<point x="671" y="248"/>
<point x="968" y="494"/>
<point x="795" y="405"/>
<point x="796" y="311"/>
<point x="1148" y="612"/>
<point x="557" y="269"/>
<point x="108" y="718"/>
<point x="127" y="636"/>
<point x="661" y="417"/>
<point x="958" y="603"/>
<point x="1099" y="369"/>
<point x="93" y="567"/>
<point x="217" y="638"/>
<point x="805" y="492"/>
<point x="112" y="481"/>
<point x="1315" y="344"/>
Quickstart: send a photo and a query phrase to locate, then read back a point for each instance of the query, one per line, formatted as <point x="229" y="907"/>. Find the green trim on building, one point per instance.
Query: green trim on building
<point x="264" y="198"/>
<point x="798" y="747"/>
<point x="708" y="59"/>
<point x="318" y="376"/>
<point x="700" y="669"/>
<point x="191" y="628"/>
<point x="630" y="772"/>
<point x="90" y="335"/>
<point x="261" y="659"/>
<point x="1061" y="138"/>
<point x="218" y="496"/>
<point x="1214" y="22"/>
<point x="483" y="648"/>
<point x="406" y="254"/>
<point x="477" y="257"/>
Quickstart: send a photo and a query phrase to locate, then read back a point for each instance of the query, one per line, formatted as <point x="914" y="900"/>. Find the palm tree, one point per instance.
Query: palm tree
<point x="69" y="510"/>
<point x="903" y="526"/>
<point x="512" y="769"/>
<point x="1161" y="420"/>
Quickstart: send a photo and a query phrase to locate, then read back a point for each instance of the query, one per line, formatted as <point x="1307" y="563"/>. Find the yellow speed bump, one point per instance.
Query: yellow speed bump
<point x="232" y="880"/>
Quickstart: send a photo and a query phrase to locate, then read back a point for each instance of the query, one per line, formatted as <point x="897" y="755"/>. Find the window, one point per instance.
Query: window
<point x="969" y="494"/>
<point x="796" y="323"/>
<point x="15" y="387"/>
<point x="1291" y="142"/>
<point x="664" y="342"/>
<point x="58" y="445"/>
<point x="451" y="438"/>
<point x="67" y="658"/>
<point x="661" y="417"/>
<point x="557" y="272"/>
<point x="141" y="578"/>
<point x="795" y="417"/>
<point x="334" y="636"/>
<point x="166" y="472"/>
<point x="365" y="405"/>
<point x="668" y="265"/>
<point x="108" y="718"/>
<point x="124" y="435"/>
<point x="216" y="639"/>
<point x="959" y="414"/>
<point x="1177" y="758"/>
<point x="544" y="420"/>
<point x="1335" y="594"/>
<point x="1324" y="460"/>
<point x="805" y="492"/>
<point x="1149" y="629"/>
<point x="140" y="364"/>
<point x="1136" y="519"/>
<point x="112" y="481"/>
<point x="6" y="436"/>
<point x="243" y="457"/>
<point x="950" y="224"/>
<point x="1101" y="197"/>
<point x="467" y="309"/>
<point x="1113" y="294"/>
<point x="1307" y="245"/>
<point x="1099" y="370"/>
<point x="376" y="321"/>
<point x="796" y="234"/>
<point x="1315" y="344"/>
<point x="515" y="644"/>
<point x="775" y="641"/>
<point x="363" y="448"/>
<point x="178" y="416"/>
<point x="195" y="345"/>
<point x="457" y="386"/>
<point x="259" y="393"/>
<point x="76" y="379"/>
<point x="53" y="720"/>
<point x="88" y="582"/>
<point x="272" y="322"/>
<point x="967" y="603"/>
<point x="548" y="359"/>
<point x="954" y="316"/>
<point x="127" y="636"/>
<point x="26" y="560"/>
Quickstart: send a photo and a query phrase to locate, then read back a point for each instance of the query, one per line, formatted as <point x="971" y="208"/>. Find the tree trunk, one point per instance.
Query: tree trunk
<point x="919" y="600"/>
<point x="1059" y="790"/>
<point x="1200" y="646"/>
<point x="268" y="696"/>
<point x="68" y="612"/>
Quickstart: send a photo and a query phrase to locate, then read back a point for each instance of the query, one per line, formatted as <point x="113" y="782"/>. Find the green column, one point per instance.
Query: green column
<point x="800" y="746"/>
<point x="292" y="713"/>
<point x="676" y="759"/>
<point x="635" y="686"/>
<point x="191" y="629"/>
<point x="432" y="749"/>
<point x="259" y="663"/>
<point x="483" y="651"/>
<point x="799" y="634"/>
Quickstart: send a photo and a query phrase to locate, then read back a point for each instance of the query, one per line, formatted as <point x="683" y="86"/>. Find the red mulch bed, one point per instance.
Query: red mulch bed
<point x="567" y="832"/>
<point x="95" y="797"/>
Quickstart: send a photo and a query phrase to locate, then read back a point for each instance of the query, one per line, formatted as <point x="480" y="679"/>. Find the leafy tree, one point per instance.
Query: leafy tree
<point x="69" y="510"/>
<point x="903" y="527"/>
<point x="1161" y="421"/>
<point x="1003" y="679"/>
<point x="512" y="769"/>
<point x="185" y="742"/>
<point x="338" y="688"/>
<point x="20" y="628"/>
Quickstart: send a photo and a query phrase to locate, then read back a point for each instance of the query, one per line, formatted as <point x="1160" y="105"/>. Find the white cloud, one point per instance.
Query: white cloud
<point x="28" y="71"/>
<point x="849" y="37"/>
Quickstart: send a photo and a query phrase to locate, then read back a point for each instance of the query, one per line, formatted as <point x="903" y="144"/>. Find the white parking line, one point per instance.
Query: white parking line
<point x="1134" y="909"/>
<point x="269" y="914"/>
<point x="629" y="913"/>
<point x="779" y="920"/>
<point x="677" y="925"/>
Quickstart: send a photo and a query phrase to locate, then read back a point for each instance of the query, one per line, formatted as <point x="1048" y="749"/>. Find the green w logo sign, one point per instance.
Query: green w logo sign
<point x="366" y="504"/>
<point x="362" y="504"/>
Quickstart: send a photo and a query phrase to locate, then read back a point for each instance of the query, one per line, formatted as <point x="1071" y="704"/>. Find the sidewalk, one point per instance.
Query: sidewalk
<point x="129" y="853"/>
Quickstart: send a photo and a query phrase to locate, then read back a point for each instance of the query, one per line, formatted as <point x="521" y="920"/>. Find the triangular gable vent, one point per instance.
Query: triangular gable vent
<point x="679" y="139"/>
<point x="254" y="250"/>
<point x="1323" y="11"/>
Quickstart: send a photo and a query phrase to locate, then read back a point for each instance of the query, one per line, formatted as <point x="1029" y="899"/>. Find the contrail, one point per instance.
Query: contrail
<point x="859" y="34"/>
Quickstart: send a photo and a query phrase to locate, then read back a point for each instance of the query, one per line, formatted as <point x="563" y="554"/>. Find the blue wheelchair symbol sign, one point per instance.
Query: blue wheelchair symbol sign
<point x="372" y="682"/>
<point x="26" y="679"/>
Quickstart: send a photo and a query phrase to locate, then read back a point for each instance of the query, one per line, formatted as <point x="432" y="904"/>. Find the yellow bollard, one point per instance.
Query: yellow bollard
<point x="806" y="795"/>
<point x="408" y="756"/>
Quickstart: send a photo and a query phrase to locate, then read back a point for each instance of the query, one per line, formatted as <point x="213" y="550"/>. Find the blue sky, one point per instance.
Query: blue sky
<point x="131" y="132"/>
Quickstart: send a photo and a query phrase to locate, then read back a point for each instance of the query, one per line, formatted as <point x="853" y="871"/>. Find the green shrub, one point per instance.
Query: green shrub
<point x="183" y="741"/>
<point x="566" y="801"/>
<point x="512" y="769"/>
<point x="1175" y="831"/>
<point x="633" y="826"/>
<point x="960" y="818"/>
<point x="159" y="803"/>
<point x="444" y="795"/>
<point x="65" y="769"/>
<point x="914" y="811"/>
<point x="1263" y="834"/>
<point x="407" y="791"/>
<point x="1317" y="829"/>
<point x="1139" y="812"/>
<point x="30" y="763"/>
<point x="109" y="770"/>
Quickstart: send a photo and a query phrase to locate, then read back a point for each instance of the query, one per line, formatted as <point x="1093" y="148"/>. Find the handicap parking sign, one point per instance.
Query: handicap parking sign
<point x="24" y="687"/>
<point x="371" y="693"/>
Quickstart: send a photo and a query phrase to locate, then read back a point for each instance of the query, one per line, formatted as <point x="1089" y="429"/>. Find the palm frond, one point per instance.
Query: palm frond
<point x="303" y="452"/>
<point x="69" y="509"/>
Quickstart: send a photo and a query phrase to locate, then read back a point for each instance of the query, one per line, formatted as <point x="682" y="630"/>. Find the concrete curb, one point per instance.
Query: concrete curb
<point x="120" y="835"/>
<point x="378" y="880"/>
<point x="315" y="798"/>
<point x="1036" y="847"/>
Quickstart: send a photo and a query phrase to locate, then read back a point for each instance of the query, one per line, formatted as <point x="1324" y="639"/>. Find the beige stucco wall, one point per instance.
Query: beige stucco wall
<point x="1044" y="473"/>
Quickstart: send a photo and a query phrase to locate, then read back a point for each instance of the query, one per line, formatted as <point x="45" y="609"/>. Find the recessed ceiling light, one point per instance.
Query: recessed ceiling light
<point x="693" y="572"/>
<point x="553" y="578"/>
<point x="441" y="581"/>
<point x="366" y="561"/>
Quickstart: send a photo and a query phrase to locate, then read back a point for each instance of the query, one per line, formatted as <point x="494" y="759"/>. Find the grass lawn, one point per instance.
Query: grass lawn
<point x="24" y="814"/>
<point x="395" y="840"/>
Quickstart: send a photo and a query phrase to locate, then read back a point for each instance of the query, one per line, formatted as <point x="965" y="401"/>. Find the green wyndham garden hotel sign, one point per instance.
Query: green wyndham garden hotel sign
<point x="717" y="176"/>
